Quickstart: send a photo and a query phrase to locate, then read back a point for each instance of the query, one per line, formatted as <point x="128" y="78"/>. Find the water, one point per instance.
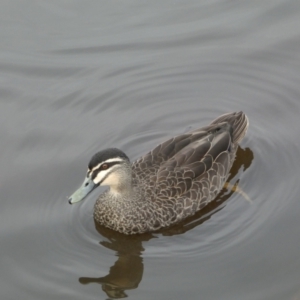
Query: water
<point x="77" y="77"/>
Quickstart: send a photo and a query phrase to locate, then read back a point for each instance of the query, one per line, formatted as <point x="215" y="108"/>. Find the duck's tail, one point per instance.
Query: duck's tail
<point x="239" y="123"/>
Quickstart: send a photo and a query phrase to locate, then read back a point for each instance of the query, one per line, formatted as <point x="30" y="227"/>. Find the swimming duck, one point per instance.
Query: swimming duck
<point x="168" y="184"/>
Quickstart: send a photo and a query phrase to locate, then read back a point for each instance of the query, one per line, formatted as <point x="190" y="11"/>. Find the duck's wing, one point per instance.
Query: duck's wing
<point x="195" y="145"/>
<point x="197" y="171"/>
<point x="150" y="164"/>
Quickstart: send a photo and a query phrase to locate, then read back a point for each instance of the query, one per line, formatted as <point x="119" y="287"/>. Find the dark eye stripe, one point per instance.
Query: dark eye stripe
<point x="95" y="173"/>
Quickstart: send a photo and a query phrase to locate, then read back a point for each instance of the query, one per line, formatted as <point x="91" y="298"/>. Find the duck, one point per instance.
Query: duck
<point x="170" y="183"/>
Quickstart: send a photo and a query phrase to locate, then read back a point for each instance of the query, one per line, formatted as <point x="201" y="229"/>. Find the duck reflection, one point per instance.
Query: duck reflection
<point x="127" y="272"/>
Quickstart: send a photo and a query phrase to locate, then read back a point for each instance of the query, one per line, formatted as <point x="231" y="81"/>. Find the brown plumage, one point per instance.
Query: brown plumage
<point x="168" y="184"/>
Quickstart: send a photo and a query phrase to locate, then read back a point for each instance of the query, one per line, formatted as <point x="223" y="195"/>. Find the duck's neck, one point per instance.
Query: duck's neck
<point x="120" y="183"/>
<point x="122" y="206"/>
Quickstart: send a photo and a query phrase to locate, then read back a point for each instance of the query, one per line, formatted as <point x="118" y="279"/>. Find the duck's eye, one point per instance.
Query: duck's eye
<point x="104" y="167"/>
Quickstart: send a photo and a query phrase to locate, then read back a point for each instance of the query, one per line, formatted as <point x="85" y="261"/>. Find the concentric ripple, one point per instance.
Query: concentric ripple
<point x="131" y="76"/>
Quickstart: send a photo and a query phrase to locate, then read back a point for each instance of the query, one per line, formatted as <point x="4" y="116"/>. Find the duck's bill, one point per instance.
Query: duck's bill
<point x="87" y="186"/>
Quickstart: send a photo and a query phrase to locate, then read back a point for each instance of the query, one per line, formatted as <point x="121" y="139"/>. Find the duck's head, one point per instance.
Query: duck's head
<point x="110" y="167"/>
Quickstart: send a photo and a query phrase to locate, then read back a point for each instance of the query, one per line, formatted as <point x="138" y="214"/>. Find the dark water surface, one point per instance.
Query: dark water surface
<point x="80" y="76"/>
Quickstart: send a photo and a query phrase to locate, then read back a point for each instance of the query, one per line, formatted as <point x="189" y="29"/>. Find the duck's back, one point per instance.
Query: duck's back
<point x="186" y="172"/>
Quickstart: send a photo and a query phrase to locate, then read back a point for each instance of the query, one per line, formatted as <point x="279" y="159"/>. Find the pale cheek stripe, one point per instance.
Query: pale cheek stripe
<point x="102" y="174"/>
